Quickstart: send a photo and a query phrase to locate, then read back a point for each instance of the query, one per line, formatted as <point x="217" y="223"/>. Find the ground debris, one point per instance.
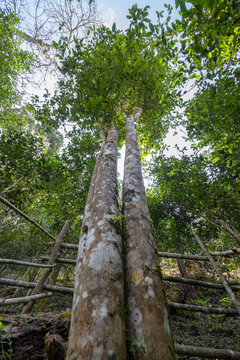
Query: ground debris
<point x="29" y="333"/>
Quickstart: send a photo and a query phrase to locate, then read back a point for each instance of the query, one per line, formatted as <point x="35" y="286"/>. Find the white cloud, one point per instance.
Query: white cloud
<point x="109" y="17"/>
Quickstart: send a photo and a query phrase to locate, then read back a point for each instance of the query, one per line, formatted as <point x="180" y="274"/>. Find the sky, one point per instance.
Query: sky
<point x="116" y="11"/>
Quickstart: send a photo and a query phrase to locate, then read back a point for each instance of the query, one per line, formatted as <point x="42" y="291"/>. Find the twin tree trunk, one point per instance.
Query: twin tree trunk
<point x="149" y="334"/>
<point x="119" y="306"/>
<point x="97" y="328"/>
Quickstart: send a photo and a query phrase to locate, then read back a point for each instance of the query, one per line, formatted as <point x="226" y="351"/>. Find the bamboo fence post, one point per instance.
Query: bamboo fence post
<point x="209" y="353"/>
<point x="227" y="231"/>
<point x="34" y="279"/>
<point x="25" y="275"/>
<point x="24" y="263"/>
<point x="189" y="290"/>
<point x="2" y="269"/>
<point x="198" y="282"/>
<point x="182" y="256"/>
<point x="32" y="285"/>
<point x="202" y="309"/>
<point x="27" y="308"/>
<point x="26" y="217"/>
<point x="59" y="260"/>
<point x="219" y="272"/>
<point x="12" y="186"/>
<point x="233" y="233"/>
<point x="63" y="245"/>
<point x="234" y="281"/>
<point x="24" y="299"/>
<point x="52" y="279"/>
<point x="227" y="253"/>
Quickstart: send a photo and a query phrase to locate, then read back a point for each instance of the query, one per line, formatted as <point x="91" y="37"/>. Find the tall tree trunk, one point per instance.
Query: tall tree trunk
<point x="97" y="327"/>
<point x="87" y="213"/>
<point x="149" y="334"/>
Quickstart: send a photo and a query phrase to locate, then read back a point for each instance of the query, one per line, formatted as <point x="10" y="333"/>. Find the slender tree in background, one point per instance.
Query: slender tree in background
<point x="44" y="24"/>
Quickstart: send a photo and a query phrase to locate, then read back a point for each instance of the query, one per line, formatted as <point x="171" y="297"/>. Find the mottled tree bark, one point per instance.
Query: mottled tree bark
<point x="149" y="334"/>
<point x="97" y="327"/>
<point x="87" y="213"/>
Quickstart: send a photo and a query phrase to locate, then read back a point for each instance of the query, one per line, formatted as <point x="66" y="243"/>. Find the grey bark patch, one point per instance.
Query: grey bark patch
<point x="148" y="327"/>
<point x="111" y="355"/>
<point x="166" y="322"/>
<point x="101" y="258"/>
<point x="98" y="318"/>
<point x="129" y="194"/>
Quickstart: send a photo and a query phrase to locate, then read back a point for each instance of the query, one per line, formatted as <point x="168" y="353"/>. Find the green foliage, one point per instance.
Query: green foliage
<point x="14" y="61"/>
<point x="115" y="73"/>
<point x="213" y="120"/>
<point x="5" y="342"/>
<point x="136" y="344"/>
<point x="53" y="185"/>
<point x="193" y="192"/>
<point x="112" y="74"/>
<point x="210" y="36"/>
<point x="16" y="144"/>
<point x="225" y="301"/>
<point x="190" y="192"/>
<point x="118" y="217"/>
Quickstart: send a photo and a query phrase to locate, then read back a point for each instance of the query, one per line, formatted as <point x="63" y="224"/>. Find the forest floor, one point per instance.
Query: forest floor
<point x="206" y="330"/>
<point x="195" y="328"/>
<point x="188" y="328"/>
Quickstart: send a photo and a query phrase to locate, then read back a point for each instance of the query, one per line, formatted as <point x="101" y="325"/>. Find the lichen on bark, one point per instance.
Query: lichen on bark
<point x="148" y="329"/>
<point x="97" y="327"/>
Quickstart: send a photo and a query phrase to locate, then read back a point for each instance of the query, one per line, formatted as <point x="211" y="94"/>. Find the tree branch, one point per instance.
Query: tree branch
<point x="19" y="212"/>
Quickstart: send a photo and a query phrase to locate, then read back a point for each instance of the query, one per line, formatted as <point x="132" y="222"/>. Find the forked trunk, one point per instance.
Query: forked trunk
<point x="149" y="334"/>
<point x="97" y="327"/>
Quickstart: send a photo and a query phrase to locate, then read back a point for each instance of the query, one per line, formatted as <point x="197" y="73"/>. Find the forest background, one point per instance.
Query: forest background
<point x="47" y="174"/>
